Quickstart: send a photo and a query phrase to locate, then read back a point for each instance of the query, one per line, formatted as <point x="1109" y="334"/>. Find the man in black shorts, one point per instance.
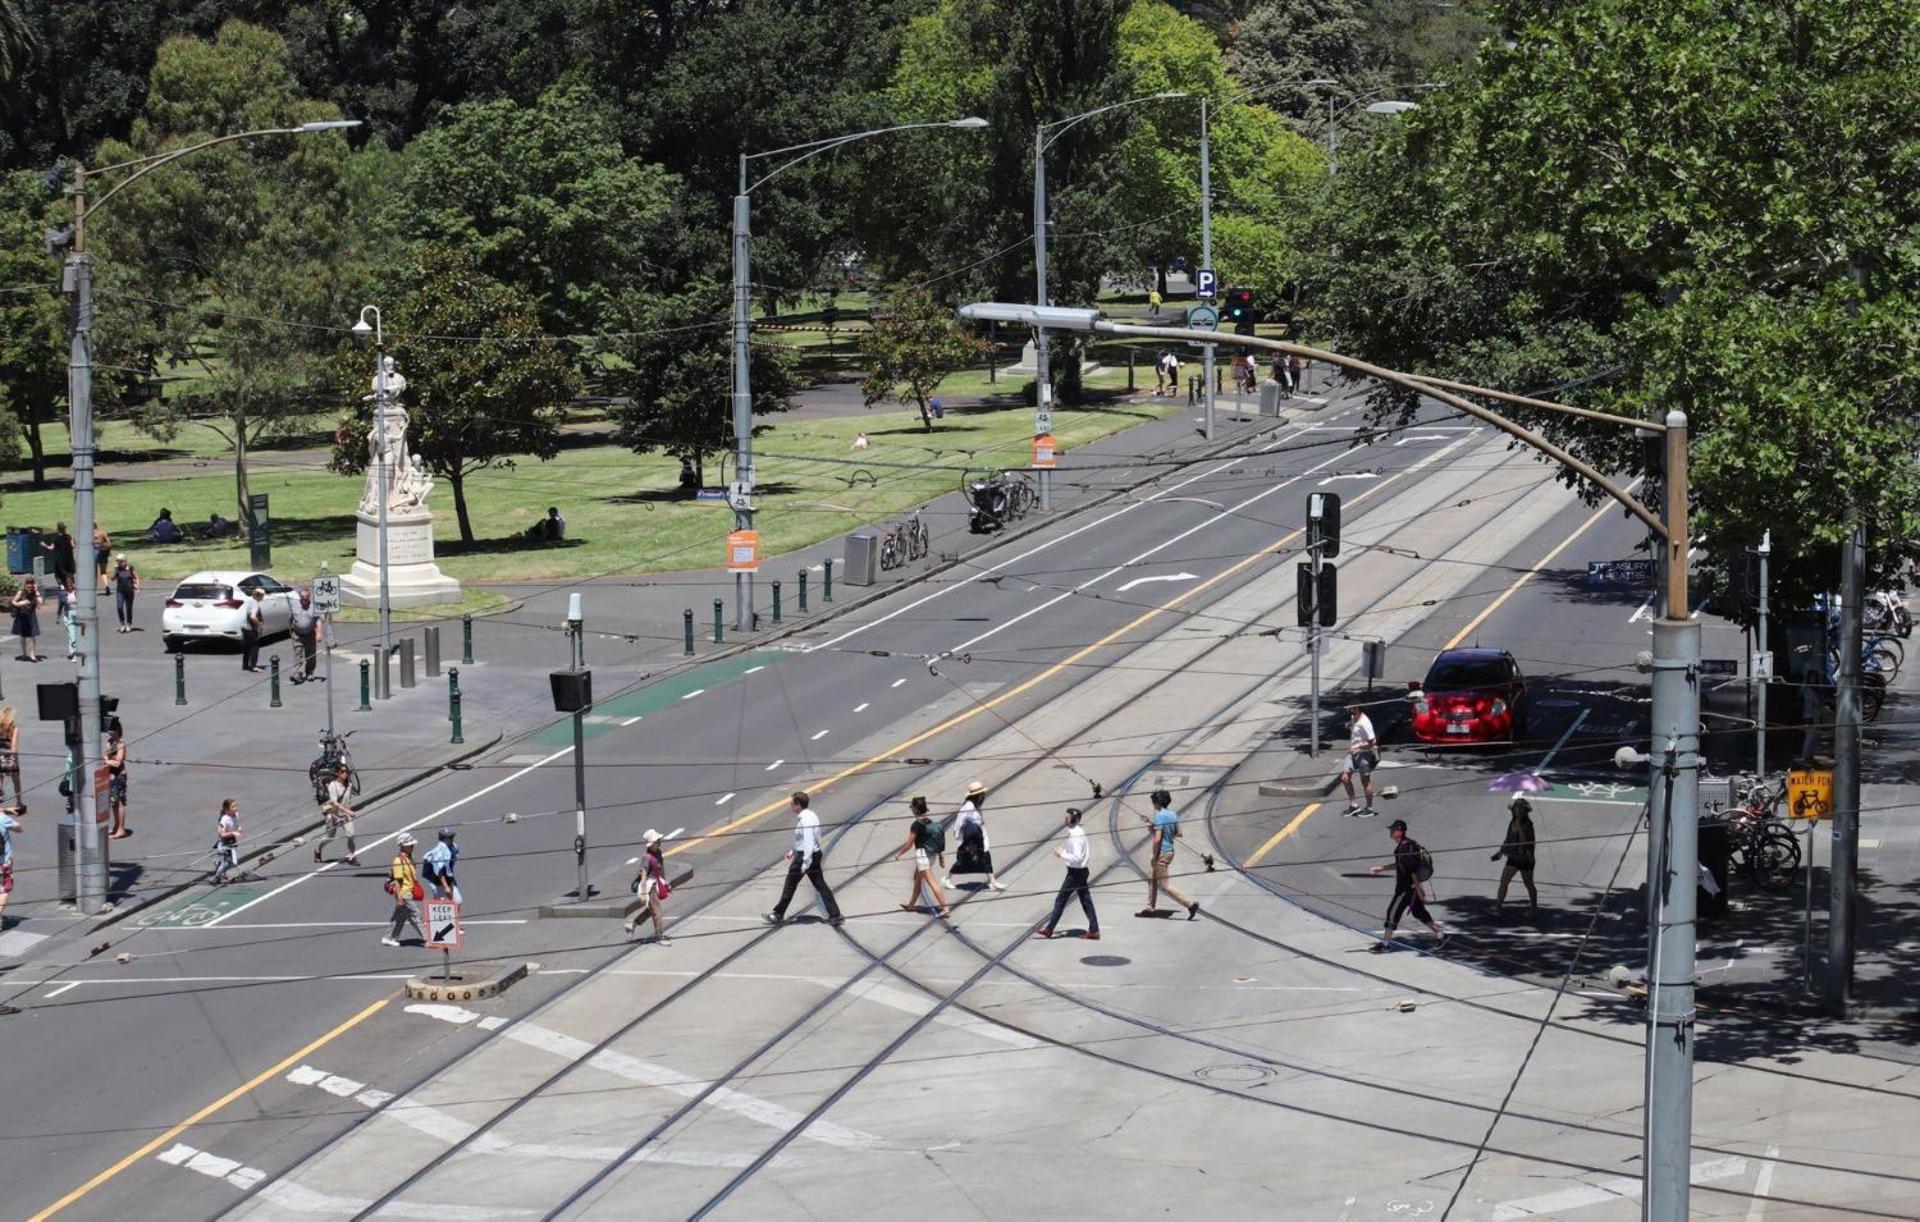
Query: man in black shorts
<point x="1411" y="867"/>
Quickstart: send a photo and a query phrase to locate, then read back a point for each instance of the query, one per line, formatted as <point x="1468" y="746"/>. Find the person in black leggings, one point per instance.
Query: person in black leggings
<point x="126" y="583"/>
<point x="1407" y="856"/>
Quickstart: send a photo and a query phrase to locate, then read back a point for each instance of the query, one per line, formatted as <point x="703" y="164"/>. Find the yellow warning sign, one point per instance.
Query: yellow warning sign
<point x="1810" y="794"/>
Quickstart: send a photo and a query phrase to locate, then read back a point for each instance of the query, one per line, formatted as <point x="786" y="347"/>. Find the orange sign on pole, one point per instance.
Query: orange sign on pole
<point x="1043" y="450"/>
<point x="743" y="551"/>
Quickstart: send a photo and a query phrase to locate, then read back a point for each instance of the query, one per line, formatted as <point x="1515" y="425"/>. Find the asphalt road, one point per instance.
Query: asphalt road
<point x="253" y="1030"/>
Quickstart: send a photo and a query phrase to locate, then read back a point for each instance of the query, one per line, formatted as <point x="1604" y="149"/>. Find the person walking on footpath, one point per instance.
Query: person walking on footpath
<point x="126" y="583"/>
<point x="1165" y="822"/>
<point x="114" y="756"/>
<point x="1517" y="848"/>
<point x="226" y="841"/>
<point x="307" y="626"/>
<point x="1412" y="866"/>
<point x="1363" y="755"/>
<point x="975" y="855"/>
<point x="403" y="884"/>
<point x="60" y="554"/>
<point x="805" y="858"/>
<point x="920" y="840"/>
<point x="1153" y="302"/>
<point x="9" y="824"/>
<point x="67" y="611"/>
<point x="10" y="754"/>
<point x="102" y="553"/>
<point x="651" y="887"/>
<point x="1074" y="853"/>
<point x="26" y="619"/>
<point x="251" y="631"/>
<point x="338" y="814"/>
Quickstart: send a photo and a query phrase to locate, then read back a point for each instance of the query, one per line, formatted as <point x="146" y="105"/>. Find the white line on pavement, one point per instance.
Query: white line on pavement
<point x="1362" y="476"/>
<point x="1763" y="1186"/>
<point x="629" y="721"/>
<point x="861" y="707"/>
<point x="817" y="737"/>
<point x="71" y="984"/>
<point x="230" y="1170"/>
<point x="753" y="670"/>
<point x="775" y="764"/>
<point x="1142" y="581"/>
<point x="1541" y="767"/>
<point x="1606" y="1190"/>
<point x="335" y="924"/>
<point x="724" y="798"/>
<point x="897" y="682"/>
<point x="451" y="806"/>
<point x="695" y="692"/>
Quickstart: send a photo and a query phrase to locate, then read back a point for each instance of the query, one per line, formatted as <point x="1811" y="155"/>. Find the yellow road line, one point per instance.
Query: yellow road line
<point x="1292" y="826"/>
<point x="236" y="1093"/>
<point x="1529" y="575"/>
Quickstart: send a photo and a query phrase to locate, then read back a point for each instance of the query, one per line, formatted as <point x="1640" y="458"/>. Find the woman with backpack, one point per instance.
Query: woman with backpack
<point x="926" y="841"/>
<point x="1517" y="848"/>
<point x="975" y="855"/>
<point x="1412" y="866"/>
<point x="651" y="887"/>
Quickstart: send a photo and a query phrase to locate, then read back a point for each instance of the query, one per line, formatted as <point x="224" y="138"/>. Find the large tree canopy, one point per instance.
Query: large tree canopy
<point x="1700" y="206"/>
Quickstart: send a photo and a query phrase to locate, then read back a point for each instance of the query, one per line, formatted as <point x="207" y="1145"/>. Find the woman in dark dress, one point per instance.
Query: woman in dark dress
<point x="975" y="855"/>
<point x="26" y="619"/>
<point x="1517" y="848"/>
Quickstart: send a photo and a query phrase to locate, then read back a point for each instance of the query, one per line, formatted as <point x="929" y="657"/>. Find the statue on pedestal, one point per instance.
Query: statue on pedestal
<point x="408" y="480"/>
<point x="413" y="579"/>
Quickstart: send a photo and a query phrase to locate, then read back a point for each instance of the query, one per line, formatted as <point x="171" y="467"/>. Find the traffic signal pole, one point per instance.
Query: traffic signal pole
<point x="1206" y="260"/>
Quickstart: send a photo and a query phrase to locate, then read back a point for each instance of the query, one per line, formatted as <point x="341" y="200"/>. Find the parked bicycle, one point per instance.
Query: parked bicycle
<point x="1764" y="849"/>
<point x="905" y="541"/>
<point x="333" y="753"/>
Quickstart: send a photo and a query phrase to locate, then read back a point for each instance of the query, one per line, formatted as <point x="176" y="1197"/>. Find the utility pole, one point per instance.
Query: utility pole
<point x="742" y="406"/>
<point x="1206" y="260"/>
<point x="1846" y="771"/>
<point x="383" y="682"/>
<point x="1764" y="551"/>
<point x="1043" y="381"/>
<point x="90" y="850"/>
<point x="577" y="639"/>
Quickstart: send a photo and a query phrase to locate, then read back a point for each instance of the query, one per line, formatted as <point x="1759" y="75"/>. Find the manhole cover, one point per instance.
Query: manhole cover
<point x="1235" y="1075"/>
<point x="1106" y="960"/>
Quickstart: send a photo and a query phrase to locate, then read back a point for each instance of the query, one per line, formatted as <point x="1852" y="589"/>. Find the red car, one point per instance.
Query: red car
<point x="1471" y="696"/>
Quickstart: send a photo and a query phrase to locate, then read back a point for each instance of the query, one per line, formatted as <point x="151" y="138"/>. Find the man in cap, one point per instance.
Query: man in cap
<point x="437" y="869"/>
<point x="403" y="884"/>
<point x="1412" y="866"/>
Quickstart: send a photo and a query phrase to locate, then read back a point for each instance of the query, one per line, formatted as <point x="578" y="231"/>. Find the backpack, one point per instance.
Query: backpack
<point x="936" y="843"/>
<point x="1424" y="870"/>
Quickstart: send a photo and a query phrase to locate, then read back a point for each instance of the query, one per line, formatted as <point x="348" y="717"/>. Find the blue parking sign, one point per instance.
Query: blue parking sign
<point x="1206" y="285"/>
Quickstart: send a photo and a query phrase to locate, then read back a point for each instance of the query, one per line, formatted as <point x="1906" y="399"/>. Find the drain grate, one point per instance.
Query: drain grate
<point x="1106" y="960"/>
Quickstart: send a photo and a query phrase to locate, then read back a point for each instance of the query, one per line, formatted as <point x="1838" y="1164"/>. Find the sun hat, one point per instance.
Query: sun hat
<point x="975" y="788"/>
<point x="652" y="837"/>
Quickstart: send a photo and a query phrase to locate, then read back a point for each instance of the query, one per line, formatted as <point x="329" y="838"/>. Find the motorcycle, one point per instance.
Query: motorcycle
<point x="1886" y="611"/>
<point x="986" y="505"/>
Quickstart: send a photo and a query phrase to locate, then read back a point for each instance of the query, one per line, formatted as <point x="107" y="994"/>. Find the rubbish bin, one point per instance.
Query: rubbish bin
<point x="863" y="560"/>
<point x="23" y="543"/>
<point x="1269" y="398"/>
<point x="1716" y="855"/>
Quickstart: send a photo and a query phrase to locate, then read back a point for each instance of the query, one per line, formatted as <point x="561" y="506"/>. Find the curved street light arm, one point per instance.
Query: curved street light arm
<point x="1071" y="120"/>
<point x="814" y="148"/>
<point x="1587" y="413"/>
<point x="147" y="164"/>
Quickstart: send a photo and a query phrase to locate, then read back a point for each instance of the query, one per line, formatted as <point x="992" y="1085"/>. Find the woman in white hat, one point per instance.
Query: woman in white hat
<point x="651" y="887"/>
<point x="975" y="855"/>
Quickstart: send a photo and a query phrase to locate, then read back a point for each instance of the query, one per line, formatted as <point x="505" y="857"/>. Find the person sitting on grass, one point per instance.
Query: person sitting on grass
<point x="219" y="527"/>
<point x="164" y="529"/>
<point x="550" y="529"/>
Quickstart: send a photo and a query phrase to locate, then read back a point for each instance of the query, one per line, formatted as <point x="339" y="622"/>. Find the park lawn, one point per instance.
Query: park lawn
<point x="624" y="513"/>
<point x="120" y="442"/>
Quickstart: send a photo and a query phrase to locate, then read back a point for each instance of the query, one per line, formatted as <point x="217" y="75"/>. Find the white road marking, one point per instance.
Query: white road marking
<point x="71" y="984"/>
<point x="817" y="737"/>
<point x="897" y="682"/>
<point x="724" y="798"/>
<point x="775" y="764"/>
<point x="629" y="721"/>
<point x="753" y="670"/>
<point x="695" y="692"/>
<point x="1421" y="437"/>
<point x="262" y="979"/>
<point x="1605" y="1191"/>
<point x="1145" y="581"/>
<point x="16" y="942"/>
<point x="1763" y="1186"/>
<point x="230" y="1170"/>
<point x="337" y="924"/>
<point x="1548" y="758"/>
<point x="1359" y="475"/>
<point x="861" y="707"/>
<point x="393" y="835"/>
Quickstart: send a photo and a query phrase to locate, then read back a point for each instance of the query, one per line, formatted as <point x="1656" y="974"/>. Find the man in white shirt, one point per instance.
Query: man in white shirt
<point x="1363" y="753"/>
<point x="339" y="816"/>
<point x="804" y="858"/>
<point x="1074" y="853"/>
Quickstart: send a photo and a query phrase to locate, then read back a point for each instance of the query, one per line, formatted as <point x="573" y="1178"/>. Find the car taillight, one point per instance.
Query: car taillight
<point x="231" y="604"/>
<point x="173" y="602"/>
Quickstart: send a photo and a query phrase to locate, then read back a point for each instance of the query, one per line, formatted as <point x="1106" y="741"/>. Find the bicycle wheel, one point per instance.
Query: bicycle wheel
<point x="889" y="551"/>
<point x="1884" y="658"/>
<point x="923" y="537"/>
<point x="1774" y="862"/>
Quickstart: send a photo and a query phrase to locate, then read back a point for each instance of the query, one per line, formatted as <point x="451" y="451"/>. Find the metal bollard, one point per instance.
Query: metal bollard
<point x="383" y="677"/>
<point x="431" y="634"/>
<point x="803" y="591"/>
<point x="826" y="580"/>
<point x="273" y="681"/>
<point x="717" y="608"/>
<point x="453" y="702"/>
<point x="466" y="640"/>
<point x="366" y="686"/>
<point x="776" y="602"/>
<point x="179" y="678"/>
<point x="408" y="676"/>
<point x="687" y="616"/>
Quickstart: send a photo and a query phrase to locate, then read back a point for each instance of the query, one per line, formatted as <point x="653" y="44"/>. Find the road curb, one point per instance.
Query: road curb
<point x="475" y="985"/>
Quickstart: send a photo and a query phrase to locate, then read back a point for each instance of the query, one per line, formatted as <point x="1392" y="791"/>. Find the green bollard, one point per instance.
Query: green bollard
<point x="776" y="602"/>
<point x="687" y="616"/>
<point x="466" y="640"/>
<point x="453" y="702"/>
<point x="179" y="678"/>
<point x="826" y="580"/>
<point x="366" y="687"/>
<point x="718" y="607"/>
<point x="803" y="591"/>
<point x="273" y="681"/>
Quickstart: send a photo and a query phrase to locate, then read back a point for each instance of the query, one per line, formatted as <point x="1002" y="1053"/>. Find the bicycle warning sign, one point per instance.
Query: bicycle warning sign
<point x="1810" y="794"/>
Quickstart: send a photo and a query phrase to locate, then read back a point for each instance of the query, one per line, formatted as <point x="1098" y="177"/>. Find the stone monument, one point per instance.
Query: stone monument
<point x="413" y="579"/>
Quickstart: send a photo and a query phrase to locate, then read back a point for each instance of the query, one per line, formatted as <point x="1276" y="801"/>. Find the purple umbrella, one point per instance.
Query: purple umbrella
<point x="1519" y="782"/>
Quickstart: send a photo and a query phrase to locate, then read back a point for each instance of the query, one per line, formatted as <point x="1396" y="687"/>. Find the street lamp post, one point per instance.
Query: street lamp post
<point x="90" y="866"/>
<point x="1674" y="783"/>
<point x="742" y="496"/>
<point x="382" y="680"/>
<point x="1043" y="383"/>
<point x="1389" y="107"/>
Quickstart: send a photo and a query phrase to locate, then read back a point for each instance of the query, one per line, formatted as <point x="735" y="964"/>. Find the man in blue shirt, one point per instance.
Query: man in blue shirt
<point x="1166" y="829"/>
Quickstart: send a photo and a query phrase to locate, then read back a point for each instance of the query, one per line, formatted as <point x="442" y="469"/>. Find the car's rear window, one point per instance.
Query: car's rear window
<point x="210" y="591"/>
<point x="1490" y="672"/>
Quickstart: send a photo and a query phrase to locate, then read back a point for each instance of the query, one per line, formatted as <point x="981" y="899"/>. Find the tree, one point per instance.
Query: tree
<point x="1586" y="205"/>
<point x="1365" y="47"/>
<point x="675" y="369"/>
<point x="240" y="263"/>
<point x="33" y="364"/>
<point x="915" y="342"/>
<point x="484" y="383"/>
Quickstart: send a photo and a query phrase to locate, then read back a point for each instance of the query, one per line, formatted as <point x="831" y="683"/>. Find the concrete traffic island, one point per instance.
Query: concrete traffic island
<point x="474" y="983"/>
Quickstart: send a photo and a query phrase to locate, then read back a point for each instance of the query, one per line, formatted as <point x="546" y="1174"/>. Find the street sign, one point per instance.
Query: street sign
<point x="1760" y="665"/>
<point x="743" y="551"/>
<point x="1206" y="284"/>
<point x="326" y="593"/>
<point x="1623" y="572"/>
<point x="1042" y="421"/>
<point x="1043" y="451"/>
<point x="740" y="495"/>
<point x="1720" y="666"/>
<point x="443" y="925"/>
<point x="1203" y="318"/>
<point x="1810" y="794"/>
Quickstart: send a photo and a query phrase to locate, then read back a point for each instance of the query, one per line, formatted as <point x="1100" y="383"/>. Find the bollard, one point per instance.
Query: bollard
<point x="453" y="702"/>
<point x="466" y="639"/>
<point x="803" y="591"/>
<point x="1129" y="369"/>
<point x="366" y="686"/>
<point x="717" y="607"/>
<point x="431" y="635"/>
<point x="273" y="681"/>
<point x="826" y="580"/>
<point x="688" y="617"/>
<point x="776" y="602"/>
<point x="179" y="678"/>
<point x="408" y="676"/>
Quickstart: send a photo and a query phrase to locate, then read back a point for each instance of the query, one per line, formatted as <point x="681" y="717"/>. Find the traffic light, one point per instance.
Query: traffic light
<point x="1325" y="600"/>
<point x="1240" y="311"/>
<point x="1323" y="523"/>
<point x="107" y="706"/>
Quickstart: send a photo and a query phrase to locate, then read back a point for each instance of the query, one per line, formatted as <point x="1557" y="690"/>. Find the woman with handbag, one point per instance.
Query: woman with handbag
<point x="920" y="838"/>
<point x="652" y="887"/>
<point x="975" y="855"/>
<point x="403" y="884"/>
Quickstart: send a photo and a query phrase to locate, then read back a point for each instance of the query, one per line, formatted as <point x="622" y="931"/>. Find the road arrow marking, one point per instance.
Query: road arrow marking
<point x="1421" y="437"/>
<point x="1359" y="475"/>
<point x="1141" y="581"/>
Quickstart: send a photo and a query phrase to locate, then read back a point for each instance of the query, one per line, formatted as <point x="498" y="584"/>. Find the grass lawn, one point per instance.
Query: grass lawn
<point x="120" y="442"/>
<point x="624" y="514"/>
